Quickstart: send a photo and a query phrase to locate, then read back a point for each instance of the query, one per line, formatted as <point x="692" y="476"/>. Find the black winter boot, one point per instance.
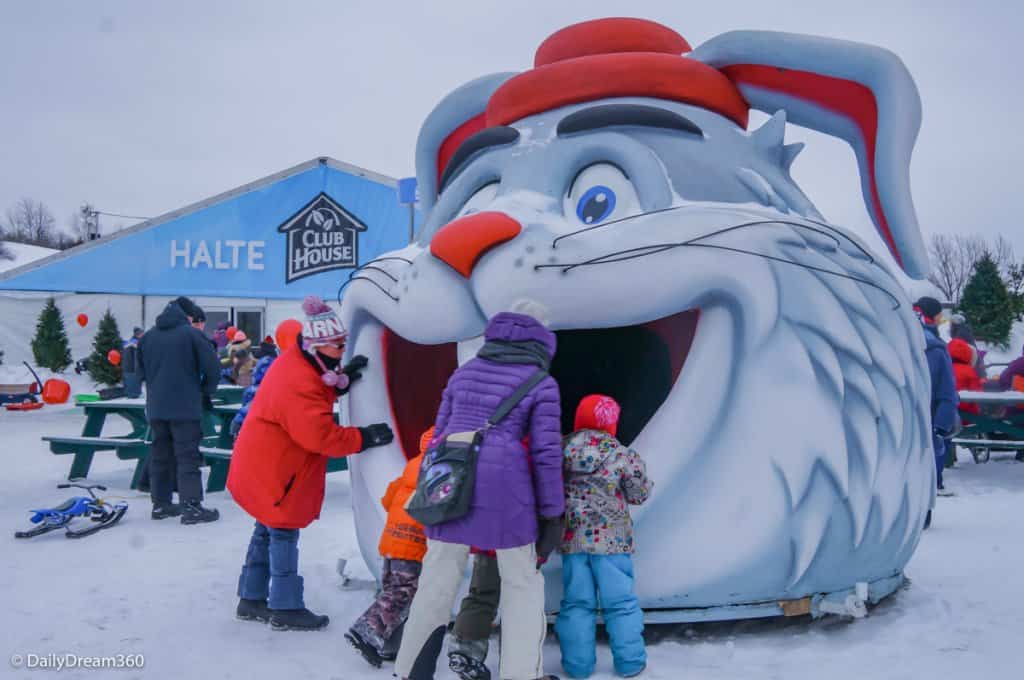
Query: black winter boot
<point x="365" y="649"/>
<point x="297" y="619"/>
<point x="253" y="610"/>
<point x="165" y="510"/>
<point x="193" y="512"/>
<point x="466" y="658"/>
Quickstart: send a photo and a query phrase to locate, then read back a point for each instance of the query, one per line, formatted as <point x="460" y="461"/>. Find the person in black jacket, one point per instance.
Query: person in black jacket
<point x="944" y="397"/>
<point x="181" y="371"/>
<point x="129" y="365"/>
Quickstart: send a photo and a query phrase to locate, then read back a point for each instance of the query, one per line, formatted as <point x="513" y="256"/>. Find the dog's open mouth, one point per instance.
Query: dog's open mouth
<point x="636" y="365"/>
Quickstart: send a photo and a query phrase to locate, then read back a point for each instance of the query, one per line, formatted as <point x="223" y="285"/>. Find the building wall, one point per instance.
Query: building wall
<point x="20" y="311"/>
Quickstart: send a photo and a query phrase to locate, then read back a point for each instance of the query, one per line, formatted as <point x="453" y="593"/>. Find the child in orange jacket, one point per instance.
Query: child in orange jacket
<point x="376" y="633"/>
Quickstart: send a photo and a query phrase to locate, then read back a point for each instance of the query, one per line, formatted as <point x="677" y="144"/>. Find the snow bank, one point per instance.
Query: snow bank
<point x="23" y="255"/>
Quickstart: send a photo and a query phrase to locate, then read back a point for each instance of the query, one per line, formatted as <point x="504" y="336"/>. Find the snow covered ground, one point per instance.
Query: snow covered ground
<point x="168" y="591"/>
<point x="23" y="254"/>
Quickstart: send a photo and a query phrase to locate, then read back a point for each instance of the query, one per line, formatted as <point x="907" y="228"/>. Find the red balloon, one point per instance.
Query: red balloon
<point x="230" y="332"/>
<point x="82" y="320"/>
<point x="286" y="333"/>
<point x="114" y="357"/>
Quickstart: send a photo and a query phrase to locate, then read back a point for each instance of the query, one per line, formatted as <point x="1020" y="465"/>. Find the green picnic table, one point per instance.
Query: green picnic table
<point x="999" y="426"/>
<point x="132" y="446"/>
<point x="230" y="394"/>
<point x="215" y="448"/>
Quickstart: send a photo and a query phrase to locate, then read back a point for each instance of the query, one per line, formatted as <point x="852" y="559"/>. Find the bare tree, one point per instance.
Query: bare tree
<point x="30" y="222"/>
<point x="1003" y="255"/>
<point x="5" y="252"/>
<point x="953" y="259"/>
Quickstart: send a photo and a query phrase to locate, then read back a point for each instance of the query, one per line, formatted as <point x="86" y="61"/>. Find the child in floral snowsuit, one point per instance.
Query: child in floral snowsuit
<point x="377" y="633"/>
<point x="601" y="477"/>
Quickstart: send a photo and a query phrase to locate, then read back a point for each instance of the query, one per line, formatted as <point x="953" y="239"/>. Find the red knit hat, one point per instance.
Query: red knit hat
<point x="597" y="412"/>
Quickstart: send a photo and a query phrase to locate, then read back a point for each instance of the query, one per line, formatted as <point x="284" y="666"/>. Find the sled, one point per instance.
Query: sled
<point x="100" y="512"/>
<point x="21" y="393"/>
<point x="25" y="406"/>
<point x="86" y="398"/>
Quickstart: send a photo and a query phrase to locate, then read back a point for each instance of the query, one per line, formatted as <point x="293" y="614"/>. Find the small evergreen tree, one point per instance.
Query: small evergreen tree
<point x="50" y="345"/>
<point x="987" y="305"/>
<point x="108" y="337"/>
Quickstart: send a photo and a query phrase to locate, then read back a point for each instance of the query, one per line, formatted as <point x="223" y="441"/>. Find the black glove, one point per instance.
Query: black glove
<point x="354" y="368"/>
<point x="377" y="434"/>
<point x="549" y="537"/>
<point x="207" y="403"/>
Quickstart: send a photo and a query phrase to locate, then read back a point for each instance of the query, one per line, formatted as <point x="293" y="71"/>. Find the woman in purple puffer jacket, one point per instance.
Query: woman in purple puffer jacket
<point x="515" y="499"/>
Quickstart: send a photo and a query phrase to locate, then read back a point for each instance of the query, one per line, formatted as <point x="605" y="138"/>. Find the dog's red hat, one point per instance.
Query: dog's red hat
<point x="616" y="57"/>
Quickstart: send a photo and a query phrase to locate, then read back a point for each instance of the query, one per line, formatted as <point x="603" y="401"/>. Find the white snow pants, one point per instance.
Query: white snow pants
<point x="523" y="625"/>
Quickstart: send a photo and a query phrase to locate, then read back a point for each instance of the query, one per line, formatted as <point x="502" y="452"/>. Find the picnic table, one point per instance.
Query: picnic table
<point x="225" y="413"/>
<point x="215" y="448"/>
<point x="132" y="446"/>
<point x="230" y="394"/>
<point x="999" y="426"/>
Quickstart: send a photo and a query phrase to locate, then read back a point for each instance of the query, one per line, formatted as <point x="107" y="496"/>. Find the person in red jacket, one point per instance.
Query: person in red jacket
<point x="966" y="377"/>
<point x="279" y="464"/>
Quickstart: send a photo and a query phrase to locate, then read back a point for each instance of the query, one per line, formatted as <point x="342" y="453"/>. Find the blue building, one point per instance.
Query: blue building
<point x="247" y="256"/>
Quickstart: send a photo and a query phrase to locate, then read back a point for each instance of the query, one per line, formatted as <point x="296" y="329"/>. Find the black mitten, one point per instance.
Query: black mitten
<point x="354" y="368"/>
<point x="377" y="434"/>
<point x="549" y="537"/>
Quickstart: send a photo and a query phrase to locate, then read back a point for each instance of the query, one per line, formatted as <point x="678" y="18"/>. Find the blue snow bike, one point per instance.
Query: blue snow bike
<point x="99" y="511"/>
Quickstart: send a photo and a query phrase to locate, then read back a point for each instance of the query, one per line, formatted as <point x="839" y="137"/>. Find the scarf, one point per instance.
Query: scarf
<point x="527" y="352"/>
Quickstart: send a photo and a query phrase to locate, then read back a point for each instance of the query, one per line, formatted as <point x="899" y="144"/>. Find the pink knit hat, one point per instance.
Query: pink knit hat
<point x="322" y="325"/>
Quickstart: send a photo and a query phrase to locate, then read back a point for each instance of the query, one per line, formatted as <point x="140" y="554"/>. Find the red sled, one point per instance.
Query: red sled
<point x="25" y="406"/>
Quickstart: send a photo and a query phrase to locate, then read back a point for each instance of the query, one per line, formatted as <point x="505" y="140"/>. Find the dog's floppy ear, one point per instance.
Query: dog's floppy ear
<point x="455" y="118"/>
<point x="857" y="92"/>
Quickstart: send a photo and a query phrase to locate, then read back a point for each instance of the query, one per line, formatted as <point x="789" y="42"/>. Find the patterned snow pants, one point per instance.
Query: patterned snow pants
<point x="377" y="625"/>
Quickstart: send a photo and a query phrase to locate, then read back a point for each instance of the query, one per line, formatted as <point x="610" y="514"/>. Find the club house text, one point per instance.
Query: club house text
<point x="323" y="247"/>
<point x="228" y="254"/>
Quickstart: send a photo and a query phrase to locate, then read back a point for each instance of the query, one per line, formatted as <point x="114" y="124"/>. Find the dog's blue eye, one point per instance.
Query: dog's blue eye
<point x="595" y="205"/>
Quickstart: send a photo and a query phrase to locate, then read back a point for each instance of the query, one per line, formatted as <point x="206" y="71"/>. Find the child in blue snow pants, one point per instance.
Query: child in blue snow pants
<point x="606" y="582"/>
<point x="271" y="569"/>
<point x="602" y="478"/>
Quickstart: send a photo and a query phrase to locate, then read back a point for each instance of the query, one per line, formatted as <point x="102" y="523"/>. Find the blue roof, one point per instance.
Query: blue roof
<point x="297" y="232"/>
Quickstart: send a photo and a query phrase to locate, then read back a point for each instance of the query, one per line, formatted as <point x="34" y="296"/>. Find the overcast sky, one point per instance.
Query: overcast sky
<point x="143" y="107"/>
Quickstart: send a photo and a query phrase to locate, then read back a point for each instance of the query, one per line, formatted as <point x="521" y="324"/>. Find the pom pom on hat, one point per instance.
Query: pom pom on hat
<point x="314" y="305"/>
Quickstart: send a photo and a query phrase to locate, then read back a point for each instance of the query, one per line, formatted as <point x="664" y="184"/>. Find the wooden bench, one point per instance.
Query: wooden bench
<point x="83" y="448"/>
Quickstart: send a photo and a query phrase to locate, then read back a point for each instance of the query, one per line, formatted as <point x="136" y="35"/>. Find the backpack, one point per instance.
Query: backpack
<point x="444" y="488"/>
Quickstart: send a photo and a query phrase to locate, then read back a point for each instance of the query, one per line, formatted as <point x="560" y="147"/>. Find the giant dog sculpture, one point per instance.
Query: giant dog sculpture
<point x="768" y="363"/>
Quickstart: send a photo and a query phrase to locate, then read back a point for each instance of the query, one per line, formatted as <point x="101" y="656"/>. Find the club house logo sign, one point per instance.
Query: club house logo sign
<point x="322" y="236"/>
